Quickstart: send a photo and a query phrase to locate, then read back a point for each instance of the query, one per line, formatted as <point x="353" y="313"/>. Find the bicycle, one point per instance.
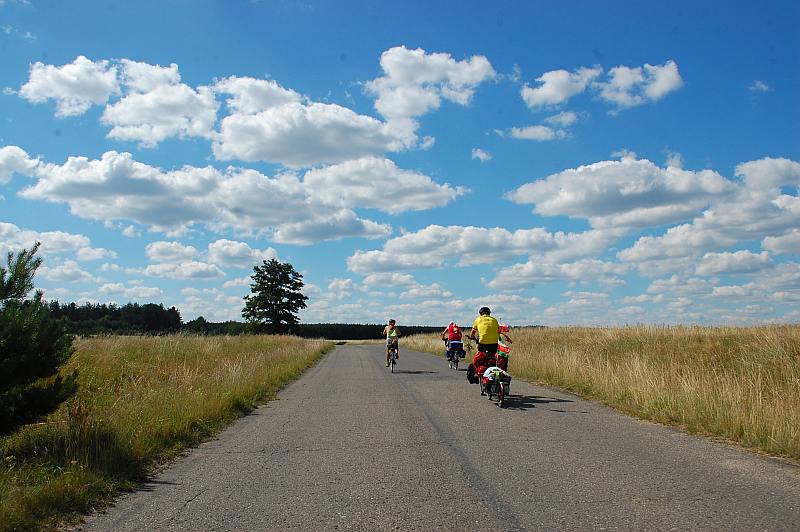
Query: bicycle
<point x="392" y="357"/>
<point x="454" y="352"/>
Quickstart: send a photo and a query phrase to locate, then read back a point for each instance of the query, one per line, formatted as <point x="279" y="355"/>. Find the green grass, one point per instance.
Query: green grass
<point x="141" y="401"/>
<point x="737" y="383"/>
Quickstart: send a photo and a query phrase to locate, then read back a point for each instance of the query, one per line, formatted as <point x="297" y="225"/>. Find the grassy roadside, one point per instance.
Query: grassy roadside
<point x="737" y="383"/>
<point x="141" y="401"/>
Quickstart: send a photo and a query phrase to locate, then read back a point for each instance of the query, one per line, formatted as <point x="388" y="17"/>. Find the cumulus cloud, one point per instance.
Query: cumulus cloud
<point x="14" y="159"/>
<point x="365" y="181"/>
<point x="137" y="292"/>
<point x="13" y="238"/>
<point x="75" y="86"/>
<point x="562" y="119"/>
<point x="298" y="135"/>
<point x="630" y="87"/>
<point x="625" y="193"/>
<point x="558" y="86"/>
<point x="540" y="133"/>
<point x="234" y="254"/>
<point x="531" y="273"/>
<point x="68" y="271"/>
<point x="758" y="86"/>
<point x="436" y="245"/>
<point x="756" y="210"/>
<point x="624" y="87"/>
<point x="421" y="291"/>
<point x="290" y="209"/>
<point x="187" y="270"/>
<point x="341" y="224"/>
<point x="788" y="242"/>
<point x="250" y="96"/>
<point x="738" y="262"/>
<point x="169" y="252"/>
<point x="414" y="81"/>
<point x="482" y="155"/>
<point x="388" y="279"/>
<point x="157" y="106"/>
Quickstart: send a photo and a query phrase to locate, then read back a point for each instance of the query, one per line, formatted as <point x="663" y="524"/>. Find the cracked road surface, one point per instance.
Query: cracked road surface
<point x="351" y="446"/>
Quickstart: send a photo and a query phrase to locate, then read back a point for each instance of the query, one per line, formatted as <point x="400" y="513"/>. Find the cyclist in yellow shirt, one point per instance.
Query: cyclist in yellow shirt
<point x="488" y="330"/>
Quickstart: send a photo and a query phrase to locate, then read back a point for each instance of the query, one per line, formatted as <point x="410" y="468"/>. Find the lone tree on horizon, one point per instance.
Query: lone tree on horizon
<point x="275" y="297"/>
<point x="33" y="345"/>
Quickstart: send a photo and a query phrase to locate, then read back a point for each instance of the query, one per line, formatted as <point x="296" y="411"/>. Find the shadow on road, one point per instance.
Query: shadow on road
<point x="523" y="402"/>
<point x="152" y="484"/>
<point x="415" y="372"/>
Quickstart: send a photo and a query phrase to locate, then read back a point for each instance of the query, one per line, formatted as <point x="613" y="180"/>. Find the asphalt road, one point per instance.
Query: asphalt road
<point x="351" y="446"/>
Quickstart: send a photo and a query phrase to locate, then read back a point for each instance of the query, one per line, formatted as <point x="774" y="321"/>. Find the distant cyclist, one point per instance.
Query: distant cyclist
<point x="452" y="335"/>
<point x="392" y="334"/>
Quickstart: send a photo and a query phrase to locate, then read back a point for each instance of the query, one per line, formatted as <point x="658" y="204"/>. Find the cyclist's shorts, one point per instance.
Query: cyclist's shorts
<point x="489" y="349"/>
<point x="390" y="341"/>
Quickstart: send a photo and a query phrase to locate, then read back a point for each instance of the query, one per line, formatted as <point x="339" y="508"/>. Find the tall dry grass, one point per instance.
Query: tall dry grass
<point x="141" y="400"/>
<point x="742" y="384"/>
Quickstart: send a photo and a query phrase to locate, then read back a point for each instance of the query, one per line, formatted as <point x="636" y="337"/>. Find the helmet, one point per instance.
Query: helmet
<point x="391" y="322"/>
<point x="485" y="310"/>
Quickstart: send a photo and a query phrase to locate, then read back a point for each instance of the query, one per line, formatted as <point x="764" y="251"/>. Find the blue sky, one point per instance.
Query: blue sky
<point x="560" y="162"/>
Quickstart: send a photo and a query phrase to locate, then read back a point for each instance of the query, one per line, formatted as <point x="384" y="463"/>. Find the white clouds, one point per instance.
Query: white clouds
<point x="163" y="112"/>
<point x="187" y="270"/>
<point x="251" y="95"/>
<point x="12" y="238"/>
<point x="133" y="292"/>
<point x="481" y="155"/>
<point x="298" y="135"/>
<point x="158" y="106"/>
<point x="116" y="187"/>
<point x="414" y="81"/>
<point x="624" y="87"/>
<point x="388" y="280"/>
<point x="756" y="210"/>
<point x="558" y="86"/>
<point x="540" y="133"/>
<point x="758" y="86"/>
<point x="169" y="251"/>
<point x="624" y="193"/>
<point x="535" y="272"/>
<point x="14" y="159"/>
<point x="563" y="119"/>
<point x="233" y="254"/>
<point x="435" y="245"/>
<point x="68" y="271"/>
<point x="785" y="243"/>
<point x="341" y="224"/>
<point x="738" y="262"/>
<point x="377" y="183"/>
<point x="75" y="86"/>
<point x="769" y="172"/>
<point x="236" y="283"/>
<point x="630" y="87"/>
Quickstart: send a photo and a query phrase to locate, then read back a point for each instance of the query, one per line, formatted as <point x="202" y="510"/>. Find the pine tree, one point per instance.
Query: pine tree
<point x="275" y="299"/>
<point x="33" y="346"/>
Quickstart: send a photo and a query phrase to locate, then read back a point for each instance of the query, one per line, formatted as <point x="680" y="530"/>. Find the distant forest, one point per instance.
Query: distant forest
<point x="149" y="318"/>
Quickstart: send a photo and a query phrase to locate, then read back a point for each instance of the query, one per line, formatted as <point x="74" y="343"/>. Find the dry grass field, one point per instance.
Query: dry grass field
<point x="141" y="400"/>
<point x="737" y="383"/>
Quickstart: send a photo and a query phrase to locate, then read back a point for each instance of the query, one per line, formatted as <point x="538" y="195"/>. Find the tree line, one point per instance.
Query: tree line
<point x="150" y="318"/>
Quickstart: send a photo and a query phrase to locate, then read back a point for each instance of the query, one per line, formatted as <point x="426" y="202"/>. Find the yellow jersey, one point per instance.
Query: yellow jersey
<point x="488" y="329"/>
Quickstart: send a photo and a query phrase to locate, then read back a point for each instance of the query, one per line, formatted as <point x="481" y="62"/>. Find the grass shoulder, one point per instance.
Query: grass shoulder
<point x="734" y="384"/>
<point x="141" y="402"/>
